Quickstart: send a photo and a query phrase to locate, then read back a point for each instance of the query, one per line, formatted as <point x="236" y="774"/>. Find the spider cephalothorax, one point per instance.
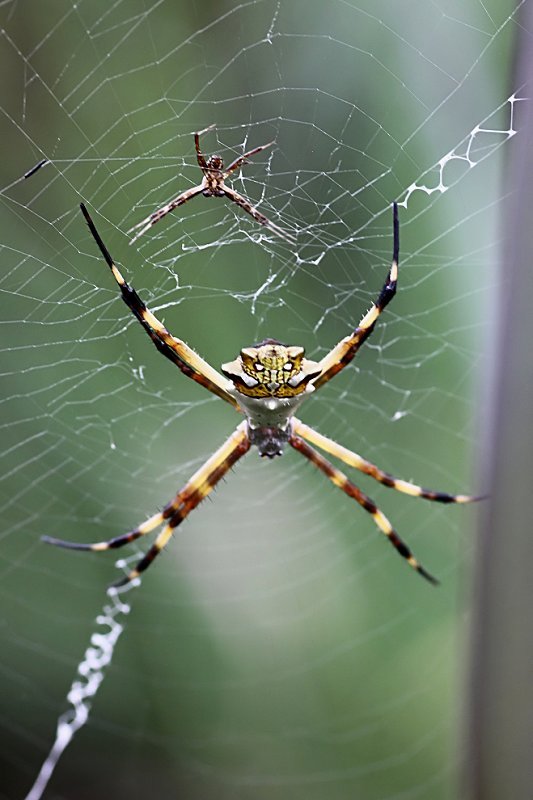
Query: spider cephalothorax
<point x="213" y="180"/>
<point x="266" y="383"/>
<point x="216" y="163"/>
<point x="213" y="184"/>
<point x="271" y="369"/>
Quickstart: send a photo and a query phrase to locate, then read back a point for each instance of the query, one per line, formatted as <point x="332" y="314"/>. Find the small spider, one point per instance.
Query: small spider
<point x="266" y="383"/>
<point x="213" y="185"/>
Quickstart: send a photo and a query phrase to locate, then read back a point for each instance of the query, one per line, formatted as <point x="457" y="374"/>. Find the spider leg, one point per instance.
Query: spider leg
<point x="355" y="460"/>
<point x="345" y="350"/>
<point x="192" y="494"/>
<point x="112" y="544"/>
<point x="188" y="498"/>
<point x="189" y="362"/>
<point x="155" y="216"/>
<point x="253" y="212"/>
<point x="339" y="479"/>
<point x="202" y="163"/>
<point x="243" y="159"/>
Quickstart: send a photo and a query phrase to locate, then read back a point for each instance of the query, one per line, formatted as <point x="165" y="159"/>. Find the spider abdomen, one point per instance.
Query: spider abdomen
<point x="269" y="440"/>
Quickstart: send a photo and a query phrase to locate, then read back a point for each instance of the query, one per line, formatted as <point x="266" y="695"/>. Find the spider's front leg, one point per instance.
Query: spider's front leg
<point x="189" y="362"/>
<point x="244" y="158"/>
<point x="202" y="163"/>
<point x="346" y="349"/>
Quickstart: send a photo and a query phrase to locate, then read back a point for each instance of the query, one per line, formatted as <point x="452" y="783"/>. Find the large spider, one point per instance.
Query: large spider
<point x="267" y="382"/>
<point x="213" y="185"/>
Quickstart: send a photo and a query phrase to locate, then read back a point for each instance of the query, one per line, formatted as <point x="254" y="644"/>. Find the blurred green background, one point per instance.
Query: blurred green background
<point x="279" y="648"/>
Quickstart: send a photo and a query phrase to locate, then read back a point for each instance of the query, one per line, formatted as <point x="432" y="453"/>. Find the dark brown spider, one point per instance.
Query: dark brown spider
<point x="213" y="185"/>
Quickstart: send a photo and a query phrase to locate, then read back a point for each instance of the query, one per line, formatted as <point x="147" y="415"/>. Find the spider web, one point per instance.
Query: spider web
<point x="278" y="648"/>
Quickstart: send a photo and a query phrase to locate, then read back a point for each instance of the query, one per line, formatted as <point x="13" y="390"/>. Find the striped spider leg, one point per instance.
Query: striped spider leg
<point x="346" y="349"/>
<point x="267" y="383"/>
<point x="186" y="500"/>
<point x="340" y="480"/>
<point x="213" y="185"/>
<point x="329" y="366"/>
<point x="205" y="479"/>
<point x="367" y="468"/>
<point x="189" y="362"/>
<point x="301" y="432"/>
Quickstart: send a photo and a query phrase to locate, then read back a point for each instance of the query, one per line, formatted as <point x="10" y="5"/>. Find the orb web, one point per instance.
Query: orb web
<point x="279" y="647"/>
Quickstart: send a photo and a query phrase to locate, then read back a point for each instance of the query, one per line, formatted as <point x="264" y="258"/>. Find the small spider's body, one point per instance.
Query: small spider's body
<point x="266" y="383"/>
<point x="213" y="185"/>
<point x="213" y="180"/>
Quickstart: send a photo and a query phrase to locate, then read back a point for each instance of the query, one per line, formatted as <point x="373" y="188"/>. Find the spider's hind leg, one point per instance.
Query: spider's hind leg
<point x="366" y="467"/>
<point x="339" y="479"/>
<point x="192" y="494"/>
<point x="186" y="500"/>
<point x="112" y="544"/>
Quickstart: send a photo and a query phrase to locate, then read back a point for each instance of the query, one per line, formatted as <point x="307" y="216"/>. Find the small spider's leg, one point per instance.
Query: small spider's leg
<point x="189" y="362"/>
<point x="250" y="209"/>
<point x="151" y="219"/>
<point x="112" y="544"/>
<point x="345" y="350"/>
<point x="243" y="159"/>
<point x="194" y="491"/>
<point x="355" y="460"/>
<point x="339" y="479"/>
<point x="202" y="163"/>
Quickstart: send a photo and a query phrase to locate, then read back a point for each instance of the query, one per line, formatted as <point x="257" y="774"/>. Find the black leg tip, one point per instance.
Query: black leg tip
<point x="125" y="581"/>
<point x="428" y="576"/>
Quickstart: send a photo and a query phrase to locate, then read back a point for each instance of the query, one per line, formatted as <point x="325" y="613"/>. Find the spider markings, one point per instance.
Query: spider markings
<point x="266" y="383"/>
<point x="213" y="185"/>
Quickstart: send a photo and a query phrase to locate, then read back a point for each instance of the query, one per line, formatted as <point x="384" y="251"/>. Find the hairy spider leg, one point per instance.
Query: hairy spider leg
<point x="194" y="491"/>
<point x="355" y="460"/>
<point x="118" y="541"/>
<point x="242" y="159"/>
<point x="345" y="350"/>
<point x="189" y="362"/>
<point x="151" y="219"/>
<point x="257" y="215"/>
<point x="186" y="500"/>
<point x="202" y="163"/>
<point x="339" y="479"/>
